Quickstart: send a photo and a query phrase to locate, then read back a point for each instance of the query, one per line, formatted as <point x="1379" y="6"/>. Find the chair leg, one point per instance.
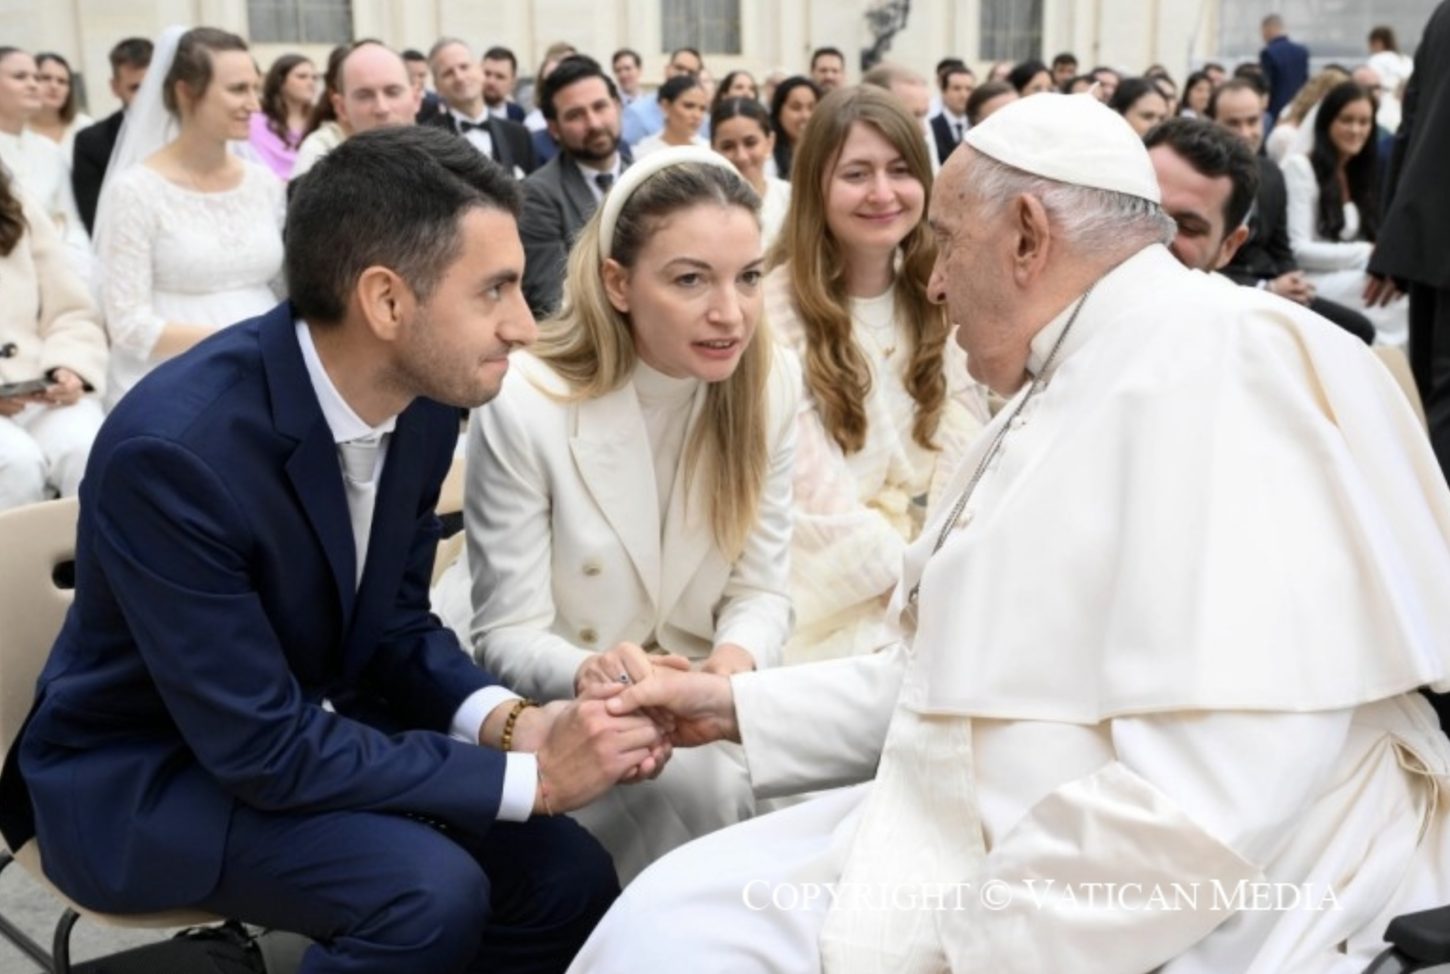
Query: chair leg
<point x="60" y="948"/>
<point x="23" y="941"/>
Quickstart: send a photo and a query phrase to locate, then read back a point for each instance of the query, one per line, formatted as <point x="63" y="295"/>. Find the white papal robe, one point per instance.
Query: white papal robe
<point x="1156" y="708"/>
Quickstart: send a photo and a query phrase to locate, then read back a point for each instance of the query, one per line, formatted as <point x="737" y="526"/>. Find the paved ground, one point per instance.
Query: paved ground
<point x="35" y="911"/>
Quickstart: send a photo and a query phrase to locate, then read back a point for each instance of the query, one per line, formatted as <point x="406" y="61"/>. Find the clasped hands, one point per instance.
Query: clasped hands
<point x="631" y="709"/>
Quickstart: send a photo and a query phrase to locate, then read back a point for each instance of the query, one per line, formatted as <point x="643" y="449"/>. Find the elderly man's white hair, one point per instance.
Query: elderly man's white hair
<point x="1090" y="220"/>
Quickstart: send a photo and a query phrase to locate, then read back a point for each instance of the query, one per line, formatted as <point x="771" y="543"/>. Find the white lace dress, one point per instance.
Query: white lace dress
<point x="856" y="513"/>
<point x="171" y="254"/>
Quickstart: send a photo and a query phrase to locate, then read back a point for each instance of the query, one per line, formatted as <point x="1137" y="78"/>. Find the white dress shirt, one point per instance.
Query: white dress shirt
<point x="521" y="771"/>
<point x="480" y="137"/>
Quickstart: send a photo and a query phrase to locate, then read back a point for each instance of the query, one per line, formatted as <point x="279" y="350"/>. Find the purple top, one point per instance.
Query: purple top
<point x="272" y="151"/>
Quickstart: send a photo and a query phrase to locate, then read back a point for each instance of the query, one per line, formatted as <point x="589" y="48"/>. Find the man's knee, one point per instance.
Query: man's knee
<point x="438" y="903"/>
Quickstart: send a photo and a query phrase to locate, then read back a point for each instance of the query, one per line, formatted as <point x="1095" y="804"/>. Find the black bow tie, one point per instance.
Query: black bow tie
<point x="465" y="126"/>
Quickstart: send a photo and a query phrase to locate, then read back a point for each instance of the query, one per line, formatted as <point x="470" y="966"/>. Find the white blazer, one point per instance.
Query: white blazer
<point x="566" y="548"/>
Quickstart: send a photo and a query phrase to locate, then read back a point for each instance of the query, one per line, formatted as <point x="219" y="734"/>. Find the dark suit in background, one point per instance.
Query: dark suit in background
<point x="946" y="137"/>
<point x="1266" y="254"/>
<point x="515" y="112"/>
<point x="93" y="147"/>
<point x="178" y="753"/>
<point x="557" y="204"/>
<point x="511" y="143"/>
<point x="1286" y="68"/>
<point x="1414" y="242"/>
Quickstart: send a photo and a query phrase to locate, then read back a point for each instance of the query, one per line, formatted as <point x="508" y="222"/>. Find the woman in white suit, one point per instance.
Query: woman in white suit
<point x="628" y="501"/>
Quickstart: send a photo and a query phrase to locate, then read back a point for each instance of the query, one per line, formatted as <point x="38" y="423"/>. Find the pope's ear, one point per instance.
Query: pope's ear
<point x="1033" y="232"/>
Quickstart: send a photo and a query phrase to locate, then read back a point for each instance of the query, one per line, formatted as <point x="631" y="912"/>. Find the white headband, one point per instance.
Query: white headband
<point x="635" y="176"/>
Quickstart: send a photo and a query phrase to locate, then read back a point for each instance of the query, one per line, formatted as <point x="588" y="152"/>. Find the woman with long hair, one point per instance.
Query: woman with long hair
<point x="289" y="93"/>
<point x="740" y="131"/>
<point x="52" y="336"/>
<point x="1197" y="91"/>
<point x="1141" y="102"/>
<point x="59" y="118"/>
<point x="324" y="130"/>
<point x="1031" y="78"/>
<point x="37" y="165"/>
<point x="1287" y="139"/>
<point x="1334" y="207"/>
<point x="683" y="104"/>
<point x="888" y="399"/>
<point x="188" y="235"/>
<point x="790" y="108"/>
<point x="736" y="84"/>
<point x="627" y="503"/>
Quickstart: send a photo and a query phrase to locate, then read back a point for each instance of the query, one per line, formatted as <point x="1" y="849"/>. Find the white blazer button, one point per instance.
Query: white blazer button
<point x="588" y="635"/>
<point x="965" y="518"/>
<point x="592" y="568"/>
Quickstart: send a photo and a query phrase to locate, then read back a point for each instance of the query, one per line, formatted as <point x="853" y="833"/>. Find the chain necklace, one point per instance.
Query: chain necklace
<point x="1039" y="382"/>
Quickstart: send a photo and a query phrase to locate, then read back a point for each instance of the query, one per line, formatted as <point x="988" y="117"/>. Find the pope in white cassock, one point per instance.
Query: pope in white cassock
<point x="1154" y="705"/>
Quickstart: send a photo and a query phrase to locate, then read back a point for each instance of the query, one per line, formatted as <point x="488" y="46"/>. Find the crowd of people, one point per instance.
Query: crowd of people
<point x="739" y="358"/>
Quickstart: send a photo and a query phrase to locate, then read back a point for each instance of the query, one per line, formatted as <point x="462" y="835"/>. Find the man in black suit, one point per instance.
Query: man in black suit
<point x="129" y="61"/>
<point x="458" y="76"/>
<point x="500" y="71"/>
<point x="581" y="105"/>
<point x="1285" y="64"/>
<point x="1266" y="260"/>
<point x="949" y="125"/>
<point x="1415" y="238"/>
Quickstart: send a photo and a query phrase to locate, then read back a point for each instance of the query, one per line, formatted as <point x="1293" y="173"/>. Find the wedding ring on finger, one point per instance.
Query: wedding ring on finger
<point x="623" y="678"/>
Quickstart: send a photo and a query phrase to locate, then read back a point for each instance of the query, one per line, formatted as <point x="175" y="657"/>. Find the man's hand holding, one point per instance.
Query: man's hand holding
<point x="589" y="748"/>
<point x="1294" y="286"/>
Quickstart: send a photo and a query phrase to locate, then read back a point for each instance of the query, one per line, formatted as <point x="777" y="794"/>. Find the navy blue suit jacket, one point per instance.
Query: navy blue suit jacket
<point x="215" y="610"/>
<point x="1286" y="69"/>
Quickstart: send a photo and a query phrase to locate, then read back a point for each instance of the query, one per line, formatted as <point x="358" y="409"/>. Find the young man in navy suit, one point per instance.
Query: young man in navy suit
<point x="250" y="708"/>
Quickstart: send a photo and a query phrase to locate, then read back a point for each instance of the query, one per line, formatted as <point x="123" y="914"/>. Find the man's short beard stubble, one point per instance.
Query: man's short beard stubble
<point x="592" y="155"/>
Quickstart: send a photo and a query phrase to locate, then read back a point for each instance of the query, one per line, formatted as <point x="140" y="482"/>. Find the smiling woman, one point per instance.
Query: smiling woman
<point x="628" y="495"/>
<point x="889" y="400"/>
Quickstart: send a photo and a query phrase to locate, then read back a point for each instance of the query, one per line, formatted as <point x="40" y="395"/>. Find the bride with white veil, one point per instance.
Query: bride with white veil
<point x="188" y="235"/>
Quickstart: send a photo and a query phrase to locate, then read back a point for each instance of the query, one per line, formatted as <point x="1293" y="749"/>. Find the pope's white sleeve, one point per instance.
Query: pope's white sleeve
<point x="817" y="725"/>
<point x="1193" y="802"/>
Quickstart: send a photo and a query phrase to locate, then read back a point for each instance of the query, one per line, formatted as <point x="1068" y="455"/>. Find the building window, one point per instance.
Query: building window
<point x="1011" y="30"/>
<point x="709" y="26"/>
<point x="299" y="21"/>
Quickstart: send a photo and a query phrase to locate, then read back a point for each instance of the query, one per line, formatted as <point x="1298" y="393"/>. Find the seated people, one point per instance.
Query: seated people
<point x="188" y="235"/>
<point x="250" y="710"/>
<point x="683" y="106"/>
<point x="49" y="331"/>
<point x="630" y="487"/>
<point x="888" y="404"/>
<point x="1334" y="208"/>
<point x="740" y="131"/>
<point x="1155" y="706"/>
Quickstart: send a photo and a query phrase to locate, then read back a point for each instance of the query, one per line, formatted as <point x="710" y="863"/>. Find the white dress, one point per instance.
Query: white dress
<point x="774" y="206"/>
<point x="39" y="167"/>
<point x="1337" y="268"/>
<point x="856" y="513"/>
<point x="656" y="142"/>
<point x="171" y="254"/>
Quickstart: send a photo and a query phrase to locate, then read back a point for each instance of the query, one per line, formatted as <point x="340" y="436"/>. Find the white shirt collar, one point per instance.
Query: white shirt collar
<point x="345" y="424"/>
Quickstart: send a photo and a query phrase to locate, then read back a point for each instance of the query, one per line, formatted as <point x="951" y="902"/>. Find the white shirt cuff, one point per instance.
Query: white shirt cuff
<point x="468" y="719"/>
<point x="520" y="783"/>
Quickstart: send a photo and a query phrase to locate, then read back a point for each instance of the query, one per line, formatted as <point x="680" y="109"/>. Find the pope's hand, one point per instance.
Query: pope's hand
<point x="702" y="704"/>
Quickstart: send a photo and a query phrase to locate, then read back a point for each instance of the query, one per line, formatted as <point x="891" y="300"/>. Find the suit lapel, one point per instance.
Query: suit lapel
<point x="502" y="152"/>
<point x="611" y="450"/>
<point x="313" y="466"/>
<point x="687" y="532"/>
<point x="576" y="191"/>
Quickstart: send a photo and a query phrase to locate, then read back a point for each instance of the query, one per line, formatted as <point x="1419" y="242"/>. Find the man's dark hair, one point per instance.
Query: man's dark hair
<point x="574" y="68"/>
<point x="391" y="197"/>
<point x="415" y="55"/>
<point x="948" y="62"/>
<point x="133" y="52"/>
<point x="689" y="50"/>
<point x="628" y="52"/>
<point x="1023" y="72"/>
<point x="821" y="52"/>
<point x="1214" y="66"/>
<point x="1066" y="57"/>
<point x="1232" y="84"/>
<point x="945" y="76"/>
<point x="984" y="93"/>
<point x="1213" y="151"/>
<point x="502" y="54"/>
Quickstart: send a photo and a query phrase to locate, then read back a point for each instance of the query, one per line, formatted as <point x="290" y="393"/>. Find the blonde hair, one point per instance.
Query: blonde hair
<point x="1313" y="93"/>
<point x="836" y="371"/>
<point x="590" y="345"/>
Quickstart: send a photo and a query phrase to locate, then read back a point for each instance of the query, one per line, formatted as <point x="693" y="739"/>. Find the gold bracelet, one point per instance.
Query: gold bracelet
<point x="506" y="743"/>
<point x="544" y="791"/>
